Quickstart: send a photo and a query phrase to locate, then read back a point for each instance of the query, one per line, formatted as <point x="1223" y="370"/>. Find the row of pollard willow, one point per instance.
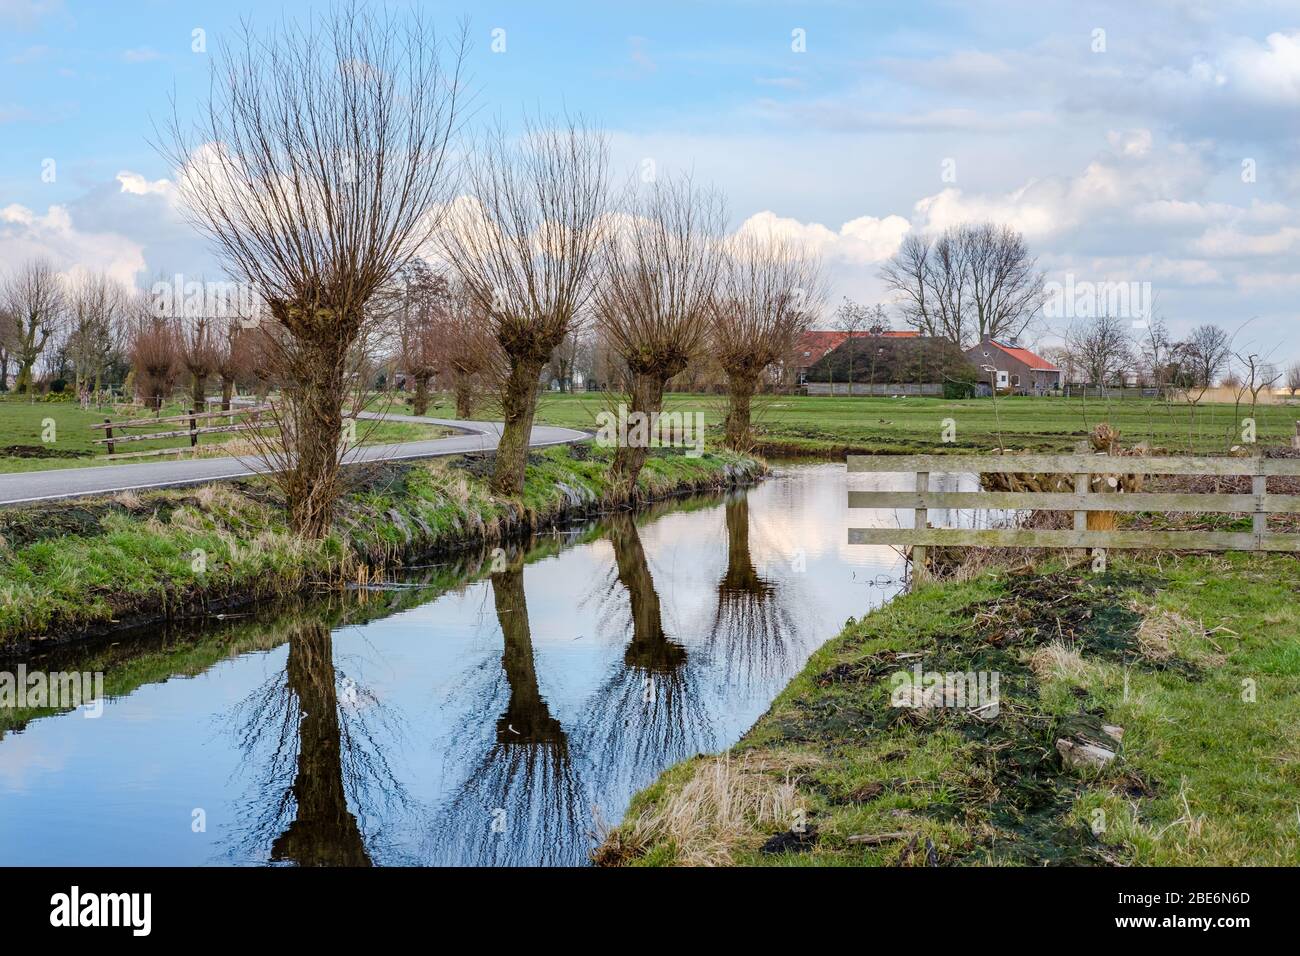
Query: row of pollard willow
<point x="1259" y="503"/>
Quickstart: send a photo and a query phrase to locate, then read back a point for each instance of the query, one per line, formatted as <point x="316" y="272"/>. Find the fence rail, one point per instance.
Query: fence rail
<point x="111" y="441"/>
<point x="1259" y="504"/>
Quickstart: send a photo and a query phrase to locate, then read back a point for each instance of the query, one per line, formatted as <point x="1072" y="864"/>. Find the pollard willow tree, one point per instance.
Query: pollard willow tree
<point x="653" y="303"/>
<point x="526" y="243"/>
<point x="35" y="299"/>
<point x="468" y="352"/>
<point x="770" y="290"/>
<point x="319" y="167"/>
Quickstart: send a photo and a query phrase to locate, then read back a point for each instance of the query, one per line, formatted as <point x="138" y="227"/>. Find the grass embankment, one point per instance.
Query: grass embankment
<point x="1197" y="659"/>
<point x="24" y="430"/>
<point x="830" y="427"/>
<point x="81" y="567"/>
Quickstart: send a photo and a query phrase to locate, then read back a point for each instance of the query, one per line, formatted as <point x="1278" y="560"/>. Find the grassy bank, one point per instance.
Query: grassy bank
<point x="1196" y="659"/>
<point x="73" y="569"/>
<point x="28" y="444"/>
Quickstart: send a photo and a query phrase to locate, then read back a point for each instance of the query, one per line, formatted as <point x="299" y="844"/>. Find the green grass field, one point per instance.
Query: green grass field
<point x="831" y="426"/>
<point x="23" y="430"/>
<point x="1196" y="659"/>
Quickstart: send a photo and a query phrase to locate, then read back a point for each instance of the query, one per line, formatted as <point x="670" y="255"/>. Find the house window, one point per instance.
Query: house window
<point x="1002" y="379"/>
<point x="1015" y="380"/>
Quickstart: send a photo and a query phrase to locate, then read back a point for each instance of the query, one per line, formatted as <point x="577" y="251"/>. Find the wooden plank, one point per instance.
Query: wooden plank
<point x="186" y="433"/>
<point x="1042" y="538"/>
<point x="1072" y="464"/>
<point x="1082" y="486"/>
<point x="1060" y="501"/>
<point x="919" y="521"/>
<point x="146" y="421"/>
<point x="1259" y="522"/>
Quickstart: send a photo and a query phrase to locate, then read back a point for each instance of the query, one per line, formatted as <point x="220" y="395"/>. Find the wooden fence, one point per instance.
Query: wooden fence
<point x="252" y="422"/>
<point x="1260" y="503"/>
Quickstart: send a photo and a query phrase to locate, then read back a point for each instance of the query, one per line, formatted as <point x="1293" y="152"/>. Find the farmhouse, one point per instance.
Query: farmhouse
<point x="1018" y="370"/>
<point x="815" y="344"/>
<point x="902" y="363"/>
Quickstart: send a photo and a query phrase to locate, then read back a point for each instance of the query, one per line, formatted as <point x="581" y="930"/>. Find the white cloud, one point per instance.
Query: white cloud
<point x="25" y="234"/>
<point x="860" y="241"/>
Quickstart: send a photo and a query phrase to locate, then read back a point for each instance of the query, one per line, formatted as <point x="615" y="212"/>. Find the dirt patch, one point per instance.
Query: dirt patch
<point x="40" y="451"/>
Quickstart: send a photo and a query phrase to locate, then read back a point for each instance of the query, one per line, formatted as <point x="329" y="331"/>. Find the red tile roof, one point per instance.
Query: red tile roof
<point x="1036" y="362"/>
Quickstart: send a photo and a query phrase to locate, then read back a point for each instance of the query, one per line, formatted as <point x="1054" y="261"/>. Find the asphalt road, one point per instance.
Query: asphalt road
<point x="105" y="479"/>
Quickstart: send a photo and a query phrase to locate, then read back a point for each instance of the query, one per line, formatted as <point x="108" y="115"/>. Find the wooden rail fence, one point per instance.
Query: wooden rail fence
<point x="253" y="422"/>
<point x="1260" y="503"/>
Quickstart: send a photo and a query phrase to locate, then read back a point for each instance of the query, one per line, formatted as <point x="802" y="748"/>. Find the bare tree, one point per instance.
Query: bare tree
<point x="154" y="349"/>
<point x="969" y="282"/>
<point x="564" y="357"/>
<point x="236" y="357"/>
<point x="420" y="303"/>
<point x="1293" y="378"/>
<point x="97" y="308"/>
<point x="36" y="299"/>
<point x="468" y="353"/>
<point x="318" y="170"/>
<point x="1208" y="350"/>
<point x="851" y="318"/>
<point x="1102" y="348"/>
<point x="653" y="308"/>
<point x="200" y="341"/>
<point x="1159" y="354"/>
<point x="525" y="243"/>
<point x="769" y="292"/>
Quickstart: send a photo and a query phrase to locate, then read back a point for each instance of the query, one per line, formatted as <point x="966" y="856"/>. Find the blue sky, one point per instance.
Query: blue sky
<point x="1120" y="163"/>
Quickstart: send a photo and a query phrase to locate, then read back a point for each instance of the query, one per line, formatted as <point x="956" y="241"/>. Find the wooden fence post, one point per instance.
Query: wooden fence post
<point x="919" y="521"/>
<point x="1081" y="484"/>
<point x="1259" y="521"/>
<point x="194" y="434"/>
<point x="108" y="434"/>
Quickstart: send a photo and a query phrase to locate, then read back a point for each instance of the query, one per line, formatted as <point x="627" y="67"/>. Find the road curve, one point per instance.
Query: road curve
<point x="30" y="486"/>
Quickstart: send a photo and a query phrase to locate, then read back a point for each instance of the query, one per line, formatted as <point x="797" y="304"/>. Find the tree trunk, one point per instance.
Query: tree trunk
<point x="315" y="402"/>
<point x="519" y="404"/>
<point x="324" y="831"/>
<point x="464" y="388"/>
<point x="227" y="392"/>
<point x="527" y="718"/>
<point x="647" y="398"/>
<point x="420" y="400"/>
<point x="740" y="394"/>
<point x="198" y="390"/>
<point x="26" y="380"/>
<point x="649" y="649"/>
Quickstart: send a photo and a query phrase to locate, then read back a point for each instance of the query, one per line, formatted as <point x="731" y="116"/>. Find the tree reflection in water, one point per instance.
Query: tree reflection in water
<point x="650" y="711"/>
<point x="318" y="759"/>
<point x="522" y="803"/>
<point x="753" y="632"/>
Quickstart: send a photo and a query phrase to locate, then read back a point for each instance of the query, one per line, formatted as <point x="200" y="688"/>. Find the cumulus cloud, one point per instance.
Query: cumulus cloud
<point x="25" y="234"/>
<point x="861" y="241"/>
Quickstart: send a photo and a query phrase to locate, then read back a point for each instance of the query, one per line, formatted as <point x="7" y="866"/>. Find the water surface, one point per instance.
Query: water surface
<point x="486" y="712"/>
